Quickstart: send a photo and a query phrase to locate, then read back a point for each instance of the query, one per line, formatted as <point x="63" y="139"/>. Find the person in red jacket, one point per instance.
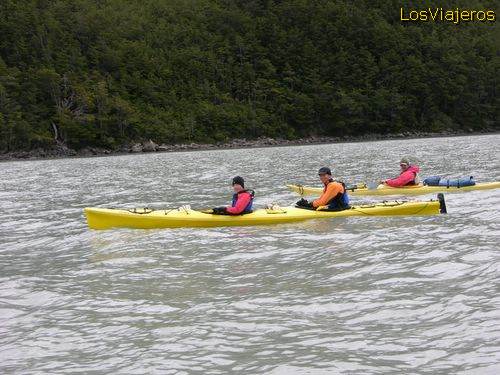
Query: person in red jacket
<point x="408" y="175"/>
<point x="242" y="200"/>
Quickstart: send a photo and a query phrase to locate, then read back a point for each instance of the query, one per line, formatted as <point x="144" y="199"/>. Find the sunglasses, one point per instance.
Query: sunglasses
<point x="403" y="165"/>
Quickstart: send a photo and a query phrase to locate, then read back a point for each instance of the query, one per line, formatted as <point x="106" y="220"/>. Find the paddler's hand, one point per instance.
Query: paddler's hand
<point x="303" y="203"/>
<point x="219" y="210"/>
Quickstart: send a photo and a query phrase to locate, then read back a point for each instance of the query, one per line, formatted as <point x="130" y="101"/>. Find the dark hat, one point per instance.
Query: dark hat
<point x="325" y="170"/>
<point x="239" y="180"/>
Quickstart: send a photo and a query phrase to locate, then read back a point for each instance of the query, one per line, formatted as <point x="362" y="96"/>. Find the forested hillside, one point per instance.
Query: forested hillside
<point x="106" y="72"/>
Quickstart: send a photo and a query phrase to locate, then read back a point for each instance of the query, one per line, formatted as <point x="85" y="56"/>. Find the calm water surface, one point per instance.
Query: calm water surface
<point x="350" y="296"/>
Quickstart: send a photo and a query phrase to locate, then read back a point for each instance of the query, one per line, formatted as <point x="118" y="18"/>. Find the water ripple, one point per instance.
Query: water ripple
<point x="357" y="295"/>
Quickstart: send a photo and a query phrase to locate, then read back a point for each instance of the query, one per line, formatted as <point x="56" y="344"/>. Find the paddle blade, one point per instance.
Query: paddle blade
<point x="372" y="185"/>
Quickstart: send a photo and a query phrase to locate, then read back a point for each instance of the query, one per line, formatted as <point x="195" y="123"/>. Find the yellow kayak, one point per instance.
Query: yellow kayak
<point x="104" y="218"/>
<point x="407" y="190"/>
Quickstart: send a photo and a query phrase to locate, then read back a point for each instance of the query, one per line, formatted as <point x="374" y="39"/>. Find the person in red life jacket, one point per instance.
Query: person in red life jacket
<point x="334" y="194"/>
<point x="408" y="175"/>
<point x="242" y="200"/>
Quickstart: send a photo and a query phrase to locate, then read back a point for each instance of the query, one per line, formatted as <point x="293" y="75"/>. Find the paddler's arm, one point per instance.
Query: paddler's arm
<point x="332" y="190"/>
<point x="403" y="179"/>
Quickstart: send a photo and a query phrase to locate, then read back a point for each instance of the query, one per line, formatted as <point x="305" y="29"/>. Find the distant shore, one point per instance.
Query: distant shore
<point x="61" y="151"/>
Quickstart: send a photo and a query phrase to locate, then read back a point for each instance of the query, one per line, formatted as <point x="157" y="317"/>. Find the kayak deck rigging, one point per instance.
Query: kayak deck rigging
<point x="364" y="190"/>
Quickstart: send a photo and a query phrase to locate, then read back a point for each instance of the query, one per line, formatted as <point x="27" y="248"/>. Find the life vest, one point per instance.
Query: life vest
<point x="416" y="178"/>
<point x="248" y="208"/>
<point x="415" y="181"/>
<point x="340" y="201"/>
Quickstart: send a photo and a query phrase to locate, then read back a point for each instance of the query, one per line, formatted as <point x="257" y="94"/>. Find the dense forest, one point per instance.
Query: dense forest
<point x="106" y="72"/>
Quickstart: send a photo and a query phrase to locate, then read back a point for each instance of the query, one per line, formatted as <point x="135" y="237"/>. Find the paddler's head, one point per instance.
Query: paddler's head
<point x="238" y="184"/>
<point x="404" y="164"/>
<point x="325" y="175"/>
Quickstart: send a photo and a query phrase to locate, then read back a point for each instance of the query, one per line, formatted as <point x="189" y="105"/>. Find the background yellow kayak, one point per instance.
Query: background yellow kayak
<point x="103" y="218"/>
<point x="407" y="190"/>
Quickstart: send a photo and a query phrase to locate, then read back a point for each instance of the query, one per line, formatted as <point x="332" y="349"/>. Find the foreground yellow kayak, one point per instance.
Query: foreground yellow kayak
<point x="104" y="218"/>
<point x="407" y="190"/>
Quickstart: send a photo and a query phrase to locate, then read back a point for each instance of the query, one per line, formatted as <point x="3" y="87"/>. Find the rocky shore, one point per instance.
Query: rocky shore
<point x="61" y="151"/>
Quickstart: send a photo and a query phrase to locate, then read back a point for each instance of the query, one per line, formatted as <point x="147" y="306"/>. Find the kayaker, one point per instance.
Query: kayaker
<point x="408" y="175"/>
<point x="334" y="194"/>
<point x="242" y="200"/>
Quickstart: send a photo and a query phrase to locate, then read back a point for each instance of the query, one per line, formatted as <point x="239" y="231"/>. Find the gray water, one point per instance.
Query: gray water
<point x="351" y="296"/>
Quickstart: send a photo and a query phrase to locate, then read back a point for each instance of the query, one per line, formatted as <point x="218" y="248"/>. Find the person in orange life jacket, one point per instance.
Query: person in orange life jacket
<point x="242" y="200"/>
<point x="408" y="175"/>
<point x="334" y="194"/>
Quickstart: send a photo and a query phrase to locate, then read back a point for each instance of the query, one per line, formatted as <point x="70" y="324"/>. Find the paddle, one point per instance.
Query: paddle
<point x="373" y="185"/>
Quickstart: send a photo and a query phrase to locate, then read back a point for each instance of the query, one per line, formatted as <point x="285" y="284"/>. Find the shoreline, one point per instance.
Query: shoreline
<point x="63" y="152"/>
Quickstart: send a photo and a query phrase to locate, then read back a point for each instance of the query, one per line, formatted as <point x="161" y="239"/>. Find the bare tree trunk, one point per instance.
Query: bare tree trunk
<point x="57" y="137"/>
<point x="56" y="132"/>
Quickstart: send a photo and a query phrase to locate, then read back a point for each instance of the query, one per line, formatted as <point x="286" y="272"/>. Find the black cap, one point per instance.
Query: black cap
<point x="239" y="180"/>
<point x="325" y="170"/>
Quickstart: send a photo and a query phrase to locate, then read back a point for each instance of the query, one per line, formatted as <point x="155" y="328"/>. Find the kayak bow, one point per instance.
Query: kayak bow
<point x="406" y="190"/>
<point x="104" y="218"/>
